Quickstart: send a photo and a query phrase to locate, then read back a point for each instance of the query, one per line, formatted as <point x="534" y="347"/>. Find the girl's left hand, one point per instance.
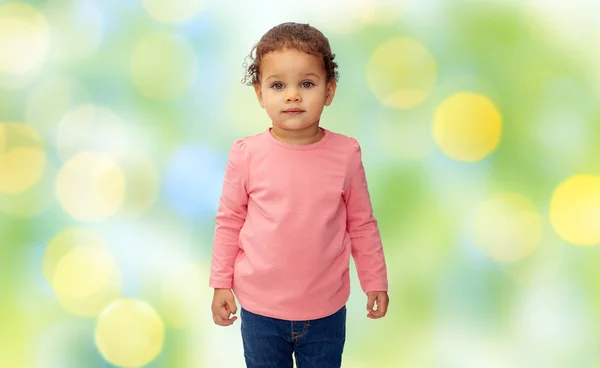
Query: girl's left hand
<point x="381" y="299"/>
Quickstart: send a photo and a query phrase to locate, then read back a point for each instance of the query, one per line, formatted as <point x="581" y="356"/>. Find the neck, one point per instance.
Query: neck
<point x="308" y="135"/>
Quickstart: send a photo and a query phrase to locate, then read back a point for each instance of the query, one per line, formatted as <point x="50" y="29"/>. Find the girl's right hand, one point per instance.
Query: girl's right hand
<point x="223" y="306"/>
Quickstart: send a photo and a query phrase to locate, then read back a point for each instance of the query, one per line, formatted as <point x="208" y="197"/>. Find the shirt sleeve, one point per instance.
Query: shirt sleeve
<point x="367" y="249"/>
<point x="230" y="217"/>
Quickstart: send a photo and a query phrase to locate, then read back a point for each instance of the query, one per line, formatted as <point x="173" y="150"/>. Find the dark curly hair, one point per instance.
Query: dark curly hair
<point x="301" y="37"/>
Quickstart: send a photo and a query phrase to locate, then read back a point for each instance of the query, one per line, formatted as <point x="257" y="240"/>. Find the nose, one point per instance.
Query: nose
<point x="293" y="95"/>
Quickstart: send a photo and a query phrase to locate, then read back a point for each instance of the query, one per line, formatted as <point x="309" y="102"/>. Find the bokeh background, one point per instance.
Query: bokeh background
<point x="480" y="127"/>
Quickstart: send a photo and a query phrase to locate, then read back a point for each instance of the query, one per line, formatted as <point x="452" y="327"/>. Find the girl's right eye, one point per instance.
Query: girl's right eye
<point x="277" y="85"/>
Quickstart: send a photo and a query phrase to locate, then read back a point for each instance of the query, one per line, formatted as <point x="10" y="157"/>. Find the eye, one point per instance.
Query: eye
<point x="277" y="85"/>
<point x="307" y="84"/>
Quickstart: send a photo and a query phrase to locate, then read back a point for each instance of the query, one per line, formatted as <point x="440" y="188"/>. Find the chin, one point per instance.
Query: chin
<point x="292" y="125"/>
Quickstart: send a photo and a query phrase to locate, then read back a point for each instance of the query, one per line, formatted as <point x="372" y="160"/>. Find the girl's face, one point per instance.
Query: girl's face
<point x="293" y="88"/>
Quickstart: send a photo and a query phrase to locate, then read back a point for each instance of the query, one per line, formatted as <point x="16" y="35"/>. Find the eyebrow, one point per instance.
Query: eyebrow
<point x="276" y="76"/>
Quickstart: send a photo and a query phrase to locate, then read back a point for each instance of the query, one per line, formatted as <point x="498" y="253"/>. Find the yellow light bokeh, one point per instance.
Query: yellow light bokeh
<point x="575" y="210"/>
<point x="82" y="271"/>
<point x="24" y="39"/>
<point x="173" y="11"/>
<point x="467" y="126"/>
<point x="129" y="333"/>
<point x="64" y="242"/>
<point x="90" y="187"/>
<point x="92" y="128"/>
<point x="32" y="202"/>
<point x="22" y="157"/>
<point x="401" y="73"/>
<point x="507" y="227"/>
<point x="86" y="280"/>
<point x="76" y="28"/>
<point x="153" y="62"/>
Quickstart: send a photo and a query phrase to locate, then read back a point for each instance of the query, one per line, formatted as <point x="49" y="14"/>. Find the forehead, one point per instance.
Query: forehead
<point x="290" y="62"/>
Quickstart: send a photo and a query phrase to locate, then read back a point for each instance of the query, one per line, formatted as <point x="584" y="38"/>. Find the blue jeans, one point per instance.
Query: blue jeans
<point x="270" y="342"/>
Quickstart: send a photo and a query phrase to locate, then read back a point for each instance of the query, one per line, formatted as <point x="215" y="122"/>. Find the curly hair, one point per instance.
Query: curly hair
<point x="297" y="36"/>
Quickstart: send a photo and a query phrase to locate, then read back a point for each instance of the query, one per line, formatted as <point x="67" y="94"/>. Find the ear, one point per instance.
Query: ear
<point x="258" y="91"/>
<point x="331" y="86"/>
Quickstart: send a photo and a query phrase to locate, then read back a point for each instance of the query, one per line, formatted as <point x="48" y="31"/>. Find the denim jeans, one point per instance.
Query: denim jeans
<point x="270" y="342"/>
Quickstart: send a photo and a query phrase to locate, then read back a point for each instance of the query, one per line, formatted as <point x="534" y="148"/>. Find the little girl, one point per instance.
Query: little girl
<point x="295" y="206"/>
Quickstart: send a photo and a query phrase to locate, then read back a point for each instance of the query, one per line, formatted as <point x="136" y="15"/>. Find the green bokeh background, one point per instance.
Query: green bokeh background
<point x="452" y="305"/>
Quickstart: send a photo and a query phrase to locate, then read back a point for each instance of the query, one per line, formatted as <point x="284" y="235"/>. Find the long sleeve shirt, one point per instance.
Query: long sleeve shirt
<point x="290" y="217"/>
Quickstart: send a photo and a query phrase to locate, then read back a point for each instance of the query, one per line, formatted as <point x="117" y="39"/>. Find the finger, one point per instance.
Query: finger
<point x="375" y="314"/>
<point x="378" y="313"/>
<point x="222" y="312"/>
<point x="370" y="302"/>
<point x="223" y="321"/>
<point x="382" y="306"/>
<point x="220" y="318"/>
<point x="381" y="310"/>
<point x="231" y="306"/>
<point x="229" y="322"/>
<point x="217" y="319"/>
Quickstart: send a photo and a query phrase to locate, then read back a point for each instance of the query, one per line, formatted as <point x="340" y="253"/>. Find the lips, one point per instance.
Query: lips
<point x="293" y="111"/>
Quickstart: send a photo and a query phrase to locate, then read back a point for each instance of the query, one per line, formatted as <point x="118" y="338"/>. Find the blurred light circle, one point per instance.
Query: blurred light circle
<point x="50" y="100"/>
<point x="66" y="241"/>
<point x="22" y="157"/>
<point x="193" y="181"/>
<point x="33" y="201"/>
<point x="85" y="272"/>
<point x="507" y="227"/>
<point x="90" y="187"/>
<point x="467" y="126"/>
<point x="76" y="26"/>
<point x="575" y="210"/>
<point x="24" y="39"/>
<point x="82" y="271"/>
<point x="401" y="73"/>
<point x="91" y="128"/>
<point x="173" y="11"/>
<point x="129" y="333"/>
<point x="153" y="63"/>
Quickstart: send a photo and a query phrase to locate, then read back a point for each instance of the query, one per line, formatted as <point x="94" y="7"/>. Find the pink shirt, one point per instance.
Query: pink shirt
<point x="288" y="221"/>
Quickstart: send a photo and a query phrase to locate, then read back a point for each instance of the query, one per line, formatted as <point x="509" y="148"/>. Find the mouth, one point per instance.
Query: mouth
<point x="293" y="111"/>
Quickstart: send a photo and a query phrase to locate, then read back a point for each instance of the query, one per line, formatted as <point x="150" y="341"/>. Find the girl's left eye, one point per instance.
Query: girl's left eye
<point x="307" y="84"/>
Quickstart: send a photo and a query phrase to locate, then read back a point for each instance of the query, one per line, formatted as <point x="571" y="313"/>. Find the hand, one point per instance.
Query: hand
<point x="223" y="306"/>
<point x="382" y="300"/>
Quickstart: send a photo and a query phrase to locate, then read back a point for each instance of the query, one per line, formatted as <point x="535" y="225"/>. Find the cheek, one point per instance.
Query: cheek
<point x="316" y="100"/>
<point x="271" y="97"/>
<point x="270" y="104"/>
<point x="267" y="100"/>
